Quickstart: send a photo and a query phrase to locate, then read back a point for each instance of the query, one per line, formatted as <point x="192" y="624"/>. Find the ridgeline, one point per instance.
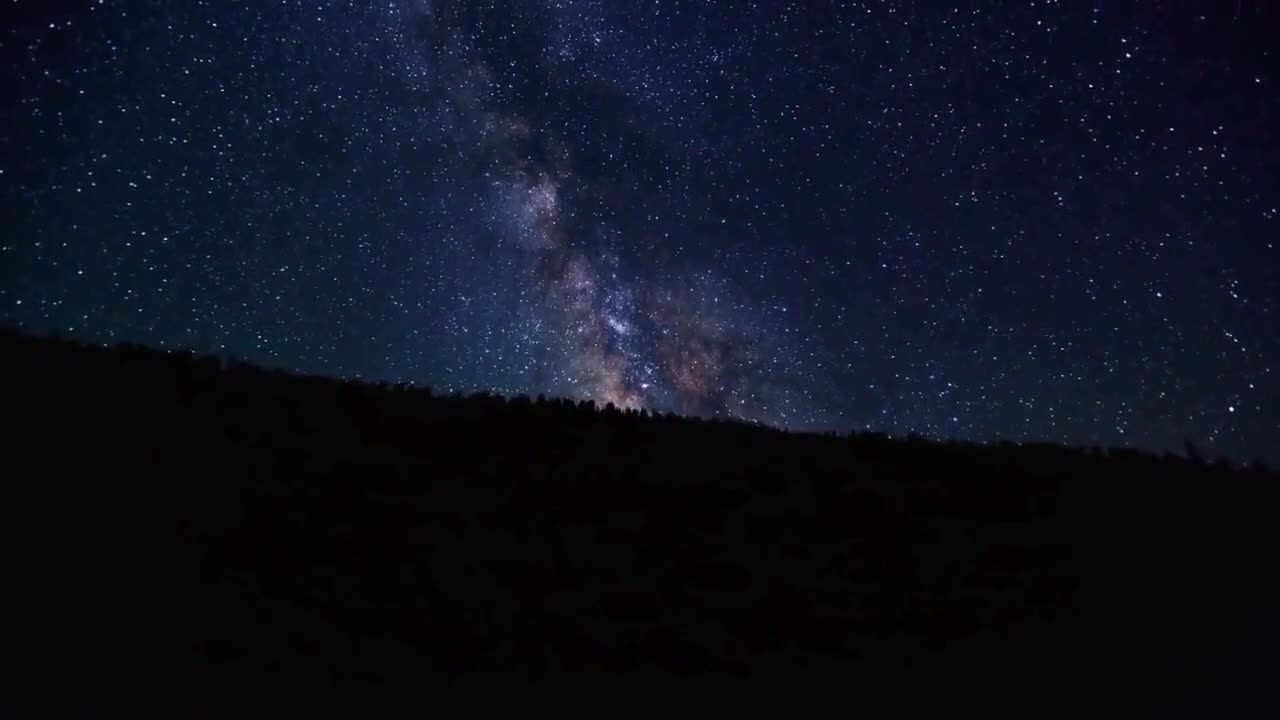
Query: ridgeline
<point x="183" y="518"/>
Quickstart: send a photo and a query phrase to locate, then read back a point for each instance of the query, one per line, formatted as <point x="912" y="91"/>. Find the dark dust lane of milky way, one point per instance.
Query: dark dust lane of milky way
<point x="1037" y="221"/>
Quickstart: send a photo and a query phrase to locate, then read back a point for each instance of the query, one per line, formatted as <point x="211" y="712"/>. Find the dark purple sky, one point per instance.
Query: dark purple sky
<point x="1028" y="221"/>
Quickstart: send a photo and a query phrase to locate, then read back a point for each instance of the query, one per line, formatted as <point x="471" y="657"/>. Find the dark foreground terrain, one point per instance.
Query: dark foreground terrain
<point x="183" y="521"/>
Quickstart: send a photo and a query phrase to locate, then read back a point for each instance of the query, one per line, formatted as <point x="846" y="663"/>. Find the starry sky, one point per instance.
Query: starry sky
<point x="981" y="220"/>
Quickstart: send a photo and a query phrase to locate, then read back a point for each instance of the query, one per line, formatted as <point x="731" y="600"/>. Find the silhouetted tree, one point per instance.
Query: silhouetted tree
<point x="1193" y="453"/>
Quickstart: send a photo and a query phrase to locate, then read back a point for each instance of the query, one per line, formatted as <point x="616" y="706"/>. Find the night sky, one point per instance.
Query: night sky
<point x="1005" y="220"/>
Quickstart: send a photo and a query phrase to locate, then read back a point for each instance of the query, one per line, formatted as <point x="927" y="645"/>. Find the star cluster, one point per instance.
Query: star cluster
<point x="1030" y="221"/>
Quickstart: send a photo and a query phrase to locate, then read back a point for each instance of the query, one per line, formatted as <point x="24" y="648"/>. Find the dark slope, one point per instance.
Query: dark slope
<point x="181" y="520"/>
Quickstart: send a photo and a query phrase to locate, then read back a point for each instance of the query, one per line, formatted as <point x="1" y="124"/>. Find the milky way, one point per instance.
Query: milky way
<point x="1042" y="222"/>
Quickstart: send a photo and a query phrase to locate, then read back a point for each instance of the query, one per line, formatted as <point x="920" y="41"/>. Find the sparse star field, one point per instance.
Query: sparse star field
<point x="1049" y="221"/>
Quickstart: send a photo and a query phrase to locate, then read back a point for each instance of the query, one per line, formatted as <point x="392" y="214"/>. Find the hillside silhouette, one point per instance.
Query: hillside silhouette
<point x="184" y="517"/>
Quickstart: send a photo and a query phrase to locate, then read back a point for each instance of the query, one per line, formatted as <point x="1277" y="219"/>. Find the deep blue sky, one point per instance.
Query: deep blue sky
<point x="1034" y="221"/>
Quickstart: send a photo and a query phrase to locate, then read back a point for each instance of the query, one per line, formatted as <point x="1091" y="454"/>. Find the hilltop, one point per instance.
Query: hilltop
<point x="216" y="518"/>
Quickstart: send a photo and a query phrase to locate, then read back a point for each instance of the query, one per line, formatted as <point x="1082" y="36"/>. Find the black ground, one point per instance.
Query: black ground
<point x="180" y="519"/>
